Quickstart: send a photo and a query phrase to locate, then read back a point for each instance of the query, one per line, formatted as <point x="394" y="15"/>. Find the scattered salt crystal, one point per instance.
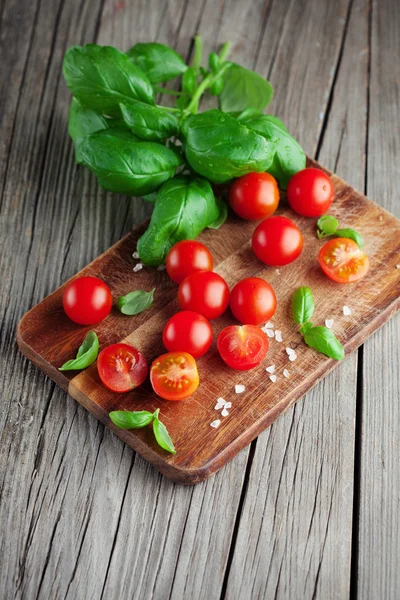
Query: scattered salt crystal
<point x="215" y="423"/>
<point x="222" y="400"/>
<point x="272" y="378"/>
<point x="137" y="267"/>
<point x="161" y="268"/>
<point x="397" y="266"/>
<point x="135" y="255"/>
<point x="269" y="325"/>
<point x="239" y="388"/>
<point x="224" y="412"/>
<point x="270" y="369"/>
<point x="278" y="335"/>
<point x="292" y="357"/>
<point x="286" y="373"/>
<point x="289" y="350"/>
<point x="328" y="323"/>
<point x="346" y="311"/>
<point x="220" y="404"/>
<point x="270" y="333"/>
<point x="278" y="271"/>
<point x="228" y="404"/>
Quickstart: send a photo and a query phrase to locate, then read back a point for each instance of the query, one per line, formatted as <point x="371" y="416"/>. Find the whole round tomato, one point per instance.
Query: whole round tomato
<point x="187" y="257"/>
<point x="310" y="192"/>
<point x="174" y="376"/>
<point x="188" y="331"/>
<point x="87" y="300"/>
<point x="242" y="347"/>
<point x="343" y="261"/>
<point x="121" y="367"/>
<point x="252" y="301"/>
<point x="277" y="241"/>
<point x="204" y="292"/>
<point x="254" y="196"/>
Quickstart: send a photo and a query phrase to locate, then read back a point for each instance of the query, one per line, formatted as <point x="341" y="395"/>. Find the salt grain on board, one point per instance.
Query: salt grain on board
<point x="328" y="323"/>
<point x="286" y="373"/>
<point x="270" y="369"/>
<point x="135" y="255"/>
<point x="215" y="423"/>
<point x="289" y="350"/>
<point x="224" y="412"/>
<point x="278" y="335"/>
<point x="397" y="266"/>
<point x="269" y="325"/>
<point x="270" y="333"/>
<point x="292" y="357"/>
<point x="239" y="388"/>
<point x="273" y="378"/>
<point x="346" y="311"/>
<point x="137" y="267"/>
<point x="228" y="404"/>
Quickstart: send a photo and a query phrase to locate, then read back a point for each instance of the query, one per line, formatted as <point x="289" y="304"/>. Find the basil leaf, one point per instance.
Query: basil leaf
<point x="324" y="340"/>
<point x="135" y="302"/>
<point x="125" y="165"/>
<point x="162" y="436"/>
<point x="102" y="77"/>
<point x="352" y="235"/>
<point x="306" y="327"/>
<point x="220" y="148"/>
<point x="125" y="419"/>
<point x="243" y="88"/>
<point x="86" y="355"/>
<point x="289" y="157"/>
<point x="183" y="208"/>
<point x="159" y="62"/>
<point x="327" y="225"/>
<point x="149" y="122"/>
<point x="223" y="214"/>
<point x="302" y="305"/>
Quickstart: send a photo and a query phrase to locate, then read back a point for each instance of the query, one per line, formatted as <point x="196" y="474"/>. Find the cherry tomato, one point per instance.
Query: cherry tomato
<point x="187" y="257"/>
<point x="174" y="376"/>
<point x="253" y="301"/>
<point x="254" y="196"/>
<point x="204" y="292"/>
<point x="343" y="261"/>
<point x="121" y="367"/>
<point x="87" y="300"/>
<point x="277" y="241"/>
<point x="188" y="331"/>
<point x="310" y="192"/>
<point x="242" y="347"/>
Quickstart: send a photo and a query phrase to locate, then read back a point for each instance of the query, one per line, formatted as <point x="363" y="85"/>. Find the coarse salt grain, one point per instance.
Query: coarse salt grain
<point x="278" y="335"/>
<point x="269" y="325"/>
<point x="289" y="350"/>
<point x="215" y="423"/>
<point x="220" y="404"/>
<point x="292" y="357"/>
<point x="270" y="333"/>
<point x="228" y="404"/>
<point x="135" y="255"/>
<point x="286" y="373"/>
<point x="278" y="271"/>
<point x="270" y="369"/>
<point x="137" y="267"/>
<point x="272" y="378"/>
<point x="397" y="266"/>
<point x="239" y="388"/>
<point x="346" y="311"/>
<point x="224" y="412"/>
<point x="328" y="323"/>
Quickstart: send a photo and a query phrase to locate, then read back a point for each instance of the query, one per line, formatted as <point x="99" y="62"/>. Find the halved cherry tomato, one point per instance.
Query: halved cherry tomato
<point x="252" y="301"/>
<point x="174" y="376"/>
<point x="254" y="196"/>
<point x="204" y="292"/>
<point x="121" y="367"/>
<point x="310" y="192"/>
<point x="87" y="300"/>
<point x="277" y="241"/>
<point x="188" y="331"/>
<point x="187" y="257"/>
<point x="242" y="347"/>
<point x="343" y="261"/>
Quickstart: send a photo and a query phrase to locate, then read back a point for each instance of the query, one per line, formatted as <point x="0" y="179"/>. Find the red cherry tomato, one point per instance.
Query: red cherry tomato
<point x="310" y="192"/>
<point x="204" y="292"/>
<point x="242" y="347"/>
<point x="254" y="196"/>
<point x="343" y="261"/>
<point x="174" y="376"/>
<point x="277" y="241"/>
<point x="121" y="367"/>
<point x="253" y="301"/>
<point x="188" y="331"/>
<point x="87" y="300"/>
<point x="187" y="257"/>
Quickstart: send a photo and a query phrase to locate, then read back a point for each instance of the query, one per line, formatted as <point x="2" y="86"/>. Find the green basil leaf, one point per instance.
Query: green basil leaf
<point x="220" y="148"/>
<point x="135" y="302"/>
<point x="102" y="77"/>
<point x="184" y="207"/>
<point x="189" y="81"/>
<point x="243" y="88"/>
<point x="223" y="214"/>
<point x="290" y="157"/>
<point x="149" y="122"/>
<point x="327" y="225"/>
<point x="86" y="355"/>
<point x="324" y="340"/>
<point x="125" y="419"/>
<point x="159" y="62"/>
<point x="162" y="436"/>
<point x="347" y="232"/>
<point x="150" y="198"/>
<point x="302" y="305"/>
<point x="125" y="165"/>
<point x="306" y="327"/>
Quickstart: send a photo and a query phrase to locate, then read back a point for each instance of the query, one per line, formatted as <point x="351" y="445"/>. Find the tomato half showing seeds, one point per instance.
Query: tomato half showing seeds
<point x="242" y="347"/>
<point x="187" y="257"/>
<point x="277" y="241"/>
<point x="310" y="192"/>
<point x="87" y="300"/>
<point x="204" y="292"/>
<point x="254" y="196"/>
<point x="187" y="331"/>
<point x="121" y="367"/>
<point x="343" y="261"/>
<point x="174" y="375"/>
<point x="252" y="301"/>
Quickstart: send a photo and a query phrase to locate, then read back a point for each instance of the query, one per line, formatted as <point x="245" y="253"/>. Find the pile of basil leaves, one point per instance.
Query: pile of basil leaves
<point x="172" y="155"/>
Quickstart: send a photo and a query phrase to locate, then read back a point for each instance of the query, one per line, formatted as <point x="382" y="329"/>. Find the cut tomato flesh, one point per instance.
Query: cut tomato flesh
<point x="343" y="261"/>
<point x="174" y="376"/>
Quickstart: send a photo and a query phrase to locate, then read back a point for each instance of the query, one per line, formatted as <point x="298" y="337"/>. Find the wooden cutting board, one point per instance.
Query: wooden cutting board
<point x="48" y="338"/>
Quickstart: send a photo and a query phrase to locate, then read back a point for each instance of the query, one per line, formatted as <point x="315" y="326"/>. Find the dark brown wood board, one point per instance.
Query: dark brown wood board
<point x="48" y="338"/>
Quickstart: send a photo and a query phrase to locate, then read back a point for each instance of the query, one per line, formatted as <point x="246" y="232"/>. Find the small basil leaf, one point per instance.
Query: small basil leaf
<point x="189" y="81"/>
<point x="159" y="62"/>
<point x="135" y="302"/>
<point x="324" y="340"/>
<point x="86" y="355"/>
<point x="149" y="122"/>
<point x="223" y="214"/>
<point x="302" y="305"/>
<point x="243" y="88"/>
<point x="125" y="419"/>
<point x="327" y="225"/>
<point x="162" y="436"/>
<point x="347" y="232"/>
<point x="150" y="198"/>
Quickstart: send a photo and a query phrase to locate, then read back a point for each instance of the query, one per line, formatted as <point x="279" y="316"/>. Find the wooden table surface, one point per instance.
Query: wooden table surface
<point x="311" y="508"/>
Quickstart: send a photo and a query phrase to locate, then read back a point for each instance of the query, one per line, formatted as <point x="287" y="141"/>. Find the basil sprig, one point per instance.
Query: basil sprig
<point x="86" y="355"/>
<point x="135" y="302"/>
<point x="328" y="225"/>
<point x="125" y="419"/>
<point x="319" y="338"/>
